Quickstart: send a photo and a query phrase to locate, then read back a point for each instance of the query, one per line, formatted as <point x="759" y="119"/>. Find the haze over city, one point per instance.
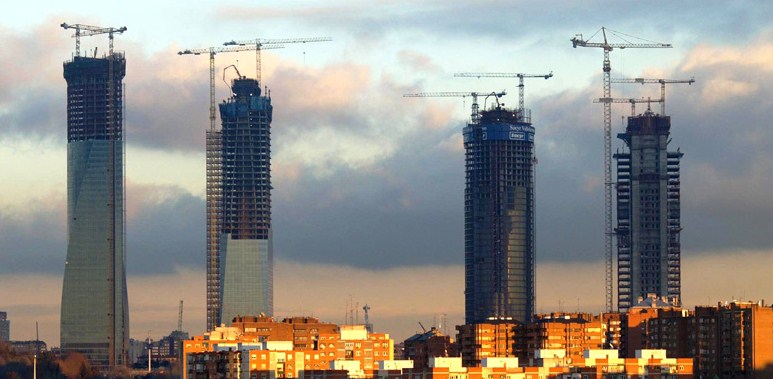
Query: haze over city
<point x="368" y="185"/>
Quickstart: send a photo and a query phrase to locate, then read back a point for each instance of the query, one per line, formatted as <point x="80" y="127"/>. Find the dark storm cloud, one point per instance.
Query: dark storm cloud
<point x="406" y="210"/>
<point x="37" y="112"/>
<point x="164" y="235"/>
<point x="164" y="232"/>
<point x="33" y="242"/>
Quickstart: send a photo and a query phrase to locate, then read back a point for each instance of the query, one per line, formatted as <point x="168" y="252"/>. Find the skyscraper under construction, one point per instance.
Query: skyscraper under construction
<point x="241" y="210"/>
<point x="648" y="212"/>
<point x="499" y="217"/>
<point x="95" y="314"/>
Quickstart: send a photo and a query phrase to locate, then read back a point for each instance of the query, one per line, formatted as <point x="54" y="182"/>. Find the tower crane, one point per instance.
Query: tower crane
<point x="212" y="51"/>
<point x="662" y="83"/>
<point x="82" y="30"/>
<point x="520" y="77"/>
<point x="259" y="43"/>
<point x="475" y="116"/>
<point x="608" y="185"/>
<point x="632" y="101"/>
<point x="213" y="171"/>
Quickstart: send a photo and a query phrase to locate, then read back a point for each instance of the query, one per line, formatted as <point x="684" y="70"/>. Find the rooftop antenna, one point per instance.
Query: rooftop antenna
<point x="368" y="325"/>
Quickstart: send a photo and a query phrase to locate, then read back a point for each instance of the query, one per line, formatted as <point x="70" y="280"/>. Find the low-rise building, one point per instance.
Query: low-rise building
<point x="420" y="347"/>
<point x="5" y="327"/>
<point x="605" y="363"/>
<point x="571" y="332"/>
<point x="634" y="323"/>
<point x="734" y="340"/>
<point x="500" y="338"/>
<point x="247" y="353"/>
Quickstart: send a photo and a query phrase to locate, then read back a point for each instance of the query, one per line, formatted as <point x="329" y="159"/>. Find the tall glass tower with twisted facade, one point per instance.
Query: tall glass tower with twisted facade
<point x="94" y="298"/>
<point x="499" y="217"/>
<point x="648" y="212"/>
<point x="245" y="245"/>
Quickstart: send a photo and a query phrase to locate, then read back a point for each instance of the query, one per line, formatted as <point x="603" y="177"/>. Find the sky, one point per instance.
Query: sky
<point x="368" y="185"/>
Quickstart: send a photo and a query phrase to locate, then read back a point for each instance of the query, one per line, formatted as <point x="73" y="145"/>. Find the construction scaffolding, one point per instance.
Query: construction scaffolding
<point x="214" y="224"/>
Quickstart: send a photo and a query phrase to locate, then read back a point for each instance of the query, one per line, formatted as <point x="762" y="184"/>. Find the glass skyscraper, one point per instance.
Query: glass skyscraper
<point x="245" y="245"/>
<point x="94" y="297"/>
<point x="499" y="217"/>
<point x="648" y="213"/>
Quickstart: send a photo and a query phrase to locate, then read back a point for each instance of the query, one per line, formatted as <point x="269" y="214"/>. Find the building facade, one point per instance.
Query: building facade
<point x="245" y="247"/>
<point x="5" y="327"/>
<point x="572" y="334"/>
<point x="94" y="313"/>
<point x="420" y="347"/>
<point x="490" y="340"/>
<point x="499" y="217"/>
<point x="734" y="340"/>
<point x="634" y="333"/>
<point x="648" y="212"/>
<point x="267" y="349"/>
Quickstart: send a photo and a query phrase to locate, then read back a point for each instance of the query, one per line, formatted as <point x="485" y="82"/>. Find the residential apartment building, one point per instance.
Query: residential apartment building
<point x="734" y="340"/>
<point x="274" y="353"/>
<point x="490" y="340"/>
<point x="572" y="333"/>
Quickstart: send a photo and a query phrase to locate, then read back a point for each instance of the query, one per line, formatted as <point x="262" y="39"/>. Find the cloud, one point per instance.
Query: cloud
<point x="165" y="230"/>
<point x="34" y="241"/>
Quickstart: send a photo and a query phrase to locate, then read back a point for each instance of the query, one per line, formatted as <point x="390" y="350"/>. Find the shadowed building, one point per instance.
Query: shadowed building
<point x="245" y="244"/>
<point x="648" y="212"/>
<point x="499" y="218"/>
<point x="94" y="299"/>
<point x="734" y="340"/>
<point x="5" y="327"/>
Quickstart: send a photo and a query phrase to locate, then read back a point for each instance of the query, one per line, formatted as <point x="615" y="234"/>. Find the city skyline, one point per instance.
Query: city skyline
<point x="395" y="167"/>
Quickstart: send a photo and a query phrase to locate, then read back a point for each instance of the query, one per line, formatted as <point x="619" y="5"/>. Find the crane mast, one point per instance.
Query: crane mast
<point x="608" y="184"/>
<point x="259" y="43"/>
<point x="475" y="115"/>
<point x="520" y="77"/>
